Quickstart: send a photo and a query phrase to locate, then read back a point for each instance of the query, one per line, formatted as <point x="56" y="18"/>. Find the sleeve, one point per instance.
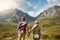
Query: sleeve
<point x="33" y="28"/>
<point x="18" y="26"/>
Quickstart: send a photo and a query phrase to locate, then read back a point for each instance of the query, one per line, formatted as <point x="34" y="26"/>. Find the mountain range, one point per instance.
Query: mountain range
<point x="14" y="15"/>
<point x="50" y="12"/>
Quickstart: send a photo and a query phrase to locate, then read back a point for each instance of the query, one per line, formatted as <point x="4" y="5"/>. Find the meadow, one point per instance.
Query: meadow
<point x="50" y="29"/>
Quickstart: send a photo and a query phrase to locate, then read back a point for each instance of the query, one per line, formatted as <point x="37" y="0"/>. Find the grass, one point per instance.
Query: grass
<point x="7" y="29"/>
<point x="50" y="29"/>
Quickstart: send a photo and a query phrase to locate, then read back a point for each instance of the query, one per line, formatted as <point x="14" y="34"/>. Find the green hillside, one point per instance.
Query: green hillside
<point x="7" y="30"/>
<point x="50" y="25"/>
<point x="50" y="29"/>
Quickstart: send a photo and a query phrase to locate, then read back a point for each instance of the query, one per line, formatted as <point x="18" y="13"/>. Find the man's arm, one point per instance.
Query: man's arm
<point x="31" y="30"/>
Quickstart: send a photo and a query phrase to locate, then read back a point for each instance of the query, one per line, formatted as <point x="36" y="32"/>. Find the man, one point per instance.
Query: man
<point x="36" y="31"/>
<point x="22" y="27"/>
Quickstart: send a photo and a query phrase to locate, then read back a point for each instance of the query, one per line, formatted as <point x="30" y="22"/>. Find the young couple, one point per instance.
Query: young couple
<point x="22" y="28"/>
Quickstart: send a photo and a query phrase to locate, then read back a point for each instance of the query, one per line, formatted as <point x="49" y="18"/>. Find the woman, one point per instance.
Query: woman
<point x="22" y="27"/>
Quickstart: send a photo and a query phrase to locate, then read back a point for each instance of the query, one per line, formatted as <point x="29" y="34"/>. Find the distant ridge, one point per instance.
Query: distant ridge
<point x="50" y="12"/>
<point x="14" y="15"/>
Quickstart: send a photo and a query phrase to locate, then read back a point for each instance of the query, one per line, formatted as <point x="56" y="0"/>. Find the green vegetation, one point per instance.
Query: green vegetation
<point x="50" y="29"/>
<point x="8" y="30"/>
<point x="50" y="25"/>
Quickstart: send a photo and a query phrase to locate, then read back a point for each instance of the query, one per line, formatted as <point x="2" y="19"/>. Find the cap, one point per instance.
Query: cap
<point x="36" y="22"/>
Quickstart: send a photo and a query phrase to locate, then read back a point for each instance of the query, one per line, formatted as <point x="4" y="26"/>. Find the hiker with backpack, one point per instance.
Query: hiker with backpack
<point x="36" y="31"/>
<point x="22" y="27"/>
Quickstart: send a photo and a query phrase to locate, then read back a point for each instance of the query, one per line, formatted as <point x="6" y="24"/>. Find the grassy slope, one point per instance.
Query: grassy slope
<point x="49" y="26"/>
<point x="7" y="29"/>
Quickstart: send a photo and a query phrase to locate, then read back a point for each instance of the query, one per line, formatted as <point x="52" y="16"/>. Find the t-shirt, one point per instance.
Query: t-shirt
<point x="22" y="26"/>
<point x="36" y="29"/>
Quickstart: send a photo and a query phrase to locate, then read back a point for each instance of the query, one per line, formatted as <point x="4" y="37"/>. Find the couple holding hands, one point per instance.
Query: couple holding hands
<point x="22" y="28"/>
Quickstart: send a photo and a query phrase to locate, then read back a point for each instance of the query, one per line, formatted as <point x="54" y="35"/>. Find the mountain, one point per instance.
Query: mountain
<point x="50" y="12"/>
<point x="14" y="15"/>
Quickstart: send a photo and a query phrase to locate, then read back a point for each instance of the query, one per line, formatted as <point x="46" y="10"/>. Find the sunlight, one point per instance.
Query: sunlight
<point x="4" y="5"/>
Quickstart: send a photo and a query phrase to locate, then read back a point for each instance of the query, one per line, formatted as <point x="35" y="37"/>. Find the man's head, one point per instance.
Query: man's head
<point x="22" y="18"/>
<point x="36" y="22"/>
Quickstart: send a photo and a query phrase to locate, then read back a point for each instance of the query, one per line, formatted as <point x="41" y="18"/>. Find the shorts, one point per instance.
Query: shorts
<point x="22" y="35"/>
<point x="38" y="36"/>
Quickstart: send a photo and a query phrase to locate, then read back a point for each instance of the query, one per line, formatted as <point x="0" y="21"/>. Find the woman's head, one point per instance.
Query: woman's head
<point x="22" y="18"/>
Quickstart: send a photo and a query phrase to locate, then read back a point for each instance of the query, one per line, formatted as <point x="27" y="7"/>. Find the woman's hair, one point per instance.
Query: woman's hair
<point x="22" y="18"/>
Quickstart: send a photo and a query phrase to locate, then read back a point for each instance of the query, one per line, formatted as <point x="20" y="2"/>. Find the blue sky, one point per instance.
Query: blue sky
<point x="38" y="5"/>
<point x="32" y="7"/>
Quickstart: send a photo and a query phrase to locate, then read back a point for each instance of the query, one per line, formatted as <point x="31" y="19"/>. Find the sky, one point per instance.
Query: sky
<point x="32" y="7"/>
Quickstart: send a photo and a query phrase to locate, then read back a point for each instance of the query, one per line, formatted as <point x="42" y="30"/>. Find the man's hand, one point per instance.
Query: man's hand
<point x="28" y="34"/>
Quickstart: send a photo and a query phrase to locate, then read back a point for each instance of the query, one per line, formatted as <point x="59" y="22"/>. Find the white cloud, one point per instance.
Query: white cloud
<point x="12" y="4"/>
<point x="52" y="3"/>
<point x="51" y="0"/>
<point x="35" y="14"/>
<point x="31" y="13"/>
<point x="35" y="7"/>
<point x="20" y="4"/>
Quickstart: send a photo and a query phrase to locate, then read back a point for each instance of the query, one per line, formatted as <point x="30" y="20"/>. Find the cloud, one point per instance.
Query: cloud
<point x="31" y="13"/>
<point x="35" y="7"/>
<point x="13" y="4"/>
<point x="51" y="1"/>
<point x="20" y="4"/>
<point x="35" y="14"/>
